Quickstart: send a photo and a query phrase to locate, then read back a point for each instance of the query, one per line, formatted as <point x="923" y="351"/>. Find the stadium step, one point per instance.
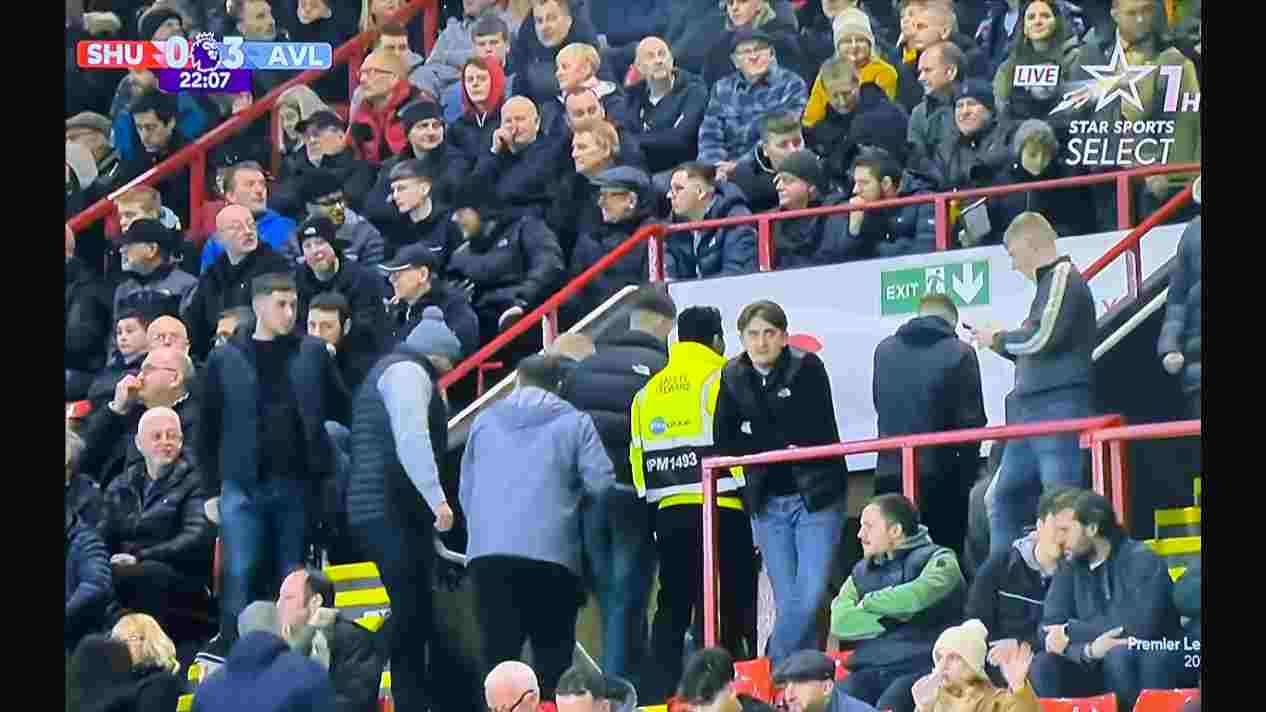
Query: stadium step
<point x="1178" y="553"/>
<point x="1180" y="522"/>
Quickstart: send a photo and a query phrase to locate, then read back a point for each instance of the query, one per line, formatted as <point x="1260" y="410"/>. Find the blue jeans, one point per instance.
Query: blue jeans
<point x="1033" y="465"/>
<point x="621" y="556"/>
<point x="799" y="548"/>
<point x="260" y="522"/>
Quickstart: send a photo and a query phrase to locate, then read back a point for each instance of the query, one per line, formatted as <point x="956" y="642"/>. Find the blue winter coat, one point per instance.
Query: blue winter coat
<point x="721" y="251"/>
<point x="261" y="674"/>
<point x="274" y="228"/>
<point x="88" y="586"/>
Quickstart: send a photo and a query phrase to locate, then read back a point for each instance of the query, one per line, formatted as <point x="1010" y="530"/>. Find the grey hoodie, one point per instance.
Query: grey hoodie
<point x="532" y="460"/>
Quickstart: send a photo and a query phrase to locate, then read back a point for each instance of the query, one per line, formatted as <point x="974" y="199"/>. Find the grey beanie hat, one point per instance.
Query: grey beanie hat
<point x="1034" y="129"/>
<point x="432" y="336"/>
<point x="259" y="616"/>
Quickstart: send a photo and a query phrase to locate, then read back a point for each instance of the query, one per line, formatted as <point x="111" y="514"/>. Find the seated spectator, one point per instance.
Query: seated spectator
<point x="1009" y="25"/>
<point x="88" y="589"/>
<point x="731" y="127"/>
<point x="975" y="149"/>
<point x="484" y="91"/>
<point x="854" y="44"/>
<point x="780" y="136"/>
<point x="584" y="105"/>
<point x="898" y="599"/>
<point x="925" y="23"/>
<point x="296" y="104"/>
<point x="512" y="685"/>
<point x="508" y="267"/>
<point x="148" y="254"/>
<point x="521" y="167"/>
<point x="595" y="148"/>
<point x="153" y="523"/>
<point x="87" y="323"/>
<point x="554" y="25"/>
<point x="696" y="195"/>
<point x="332" y="23"/>
<point x="815" y="21"/>
<point x="421" y="219"/>
<point x="92" y="131"/>
<point x="1007" y="592"/>
<point x="669" y="103"/>
<point x="246" y="186"/>
<point x="314" y="627"/>
<point x="1050" y="38"/>
<point x="99" y="674"/>
<point x="325" y="137"/>
<point x="1112" y="591"/>
<point x="583" y="689"/>
<point x="819" y="240"/>
<point x="253" y="21"/>
<point x="226" y="283"/>
<point x="83" y="495"/>
<point x="249" y="144"/>
<point x="807" y="678"/>
<point x="416" y="285"/>
<point x="491" y="35"/>
<point x="376" y="15"/>
<point x="154" y="116"/>
<point x="376" y="130"/>
<point x="890" y="232"/>
<point x="261" y="669"/>
<point x="154" y="663"/>
<point x="359" y="241"/>
<point x="459" y="41"/>
<point x="708" y="683"/>
<point x="145" y="202"/>
<point x="960" y="682"/>
<point x="1035" y="153"/>
<point x="429" y="142"/>
<point x="130" y="346"/>
<point x="168" y="332"/>
<point x="941" y="76"/>
<point x="624" y="199"/>
<point x="165" y="380"/>
<point x="753" y="16"/>
<point x="194" y="115"/>
<point x="329" y="318"/>
<point x="576" y="73"/>
<point x="81" y="174"/>
<point x="857" y="115"/>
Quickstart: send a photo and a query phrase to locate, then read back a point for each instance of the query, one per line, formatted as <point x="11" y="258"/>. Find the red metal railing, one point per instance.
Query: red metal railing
<point x="547" y="313"/>
<point x="1129" y="245"/>
<point x="1107" y="446"/>
<point x="908" y="444"/>
<point x="194" y="156"/>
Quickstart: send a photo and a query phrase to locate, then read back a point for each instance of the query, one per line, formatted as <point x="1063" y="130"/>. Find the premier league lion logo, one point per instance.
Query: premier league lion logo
<point x="206" y="52"/>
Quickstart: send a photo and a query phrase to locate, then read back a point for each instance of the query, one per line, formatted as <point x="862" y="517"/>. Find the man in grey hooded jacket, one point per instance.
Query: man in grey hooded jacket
<point x="532" y="461"/>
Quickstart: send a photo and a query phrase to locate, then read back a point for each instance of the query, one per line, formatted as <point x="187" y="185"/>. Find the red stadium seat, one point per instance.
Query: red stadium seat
<point x="755" y="678"/>
<point x="1102" y="703"/>
<point x="841" y="662"/>
<point x="1164" y="700"/>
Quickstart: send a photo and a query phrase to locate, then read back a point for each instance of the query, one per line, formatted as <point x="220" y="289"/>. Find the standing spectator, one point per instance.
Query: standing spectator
<point x="941" y="69"/>
<point x="890" y="232"/>
<point x="431" y="142"/>
<point x="484" y="90"/>
<point x="416" y="285"/>
<point x="518" y="169"/>
<point x="898" y="599"/>
<point x="925" y="23"/>
<point x="1035" y="156"/>
<point x="492" y="41"/>
<point x="696" y="195"/>
<point x="325" y="139"/>
<point x="245" y="185"/>
<point x="153" y="115"/>
<point x="817" y="240"/>
<point x="395" y="502"/>
<point x="1011" y="24"/>
<point x="1050" y="38"/>
<point x="148" y="252"/>
<point x="310" y="623"/>
<point x="685" y="394"/>
<point x="265" y="398"/>
<point x="154" y="663"/>
<point x="854" y="43"/>
<point x="774" y="396"/>
<point x="626" y="204"/>
<point x="927" y="380"/>
<point x="317" y="21"/>
<point x="226" y="283"/>
<point x="1112" y="591"/>
<point x="420" y="220"/>
<point x="377" y="131"/>
<point x="532" y="462"/>
<point x="780" y="136"/>
<point x="959" y="680"/>
<point x="1053" y="380"/>
<point x="669" y="103"/>
<point x="617" y="529"/>
<point x="553" y="26"/>
<point x="1179" y="343"/>
<point x="92" y="131"/>
<point x="87" y="323"/>
<point x="358" y="240"/>
<point x="857" y="115"/>
<point x="88" y="589"/>
<point x="807" y="679"/>
<point x="708" y="683"/>
<point x="731" y="125"/>
<point x="153" y="523"/>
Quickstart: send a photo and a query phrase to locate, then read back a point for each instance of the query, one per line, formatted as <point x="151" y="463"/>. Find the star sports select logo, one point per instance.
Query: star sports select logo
<point x="1137" y="143"/>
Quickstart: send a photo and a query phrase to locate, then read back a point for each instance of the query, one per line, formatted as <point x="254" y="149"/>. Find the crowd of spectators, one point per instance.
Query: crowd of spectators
<point x="412" y="220"/>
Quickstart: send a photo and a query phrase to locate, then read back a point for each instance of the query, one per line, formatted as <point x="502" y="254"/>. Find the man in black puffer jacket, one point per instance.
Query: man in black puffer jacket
<point x="1179" y="343"/>
<point x="617" y="528"/>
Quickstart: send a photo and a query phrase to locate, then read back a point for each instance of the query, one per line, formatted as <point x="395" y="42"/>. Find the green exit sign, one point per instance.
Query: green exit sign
<point x="967" y="283"/>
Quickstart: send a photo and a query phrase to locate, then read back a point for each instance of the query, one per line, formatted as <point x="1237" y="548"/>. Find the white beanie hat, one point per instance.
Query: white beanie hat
<point x="853" y="22"/>
<point x="968" y="640"/>
<point x="82" y="163"/>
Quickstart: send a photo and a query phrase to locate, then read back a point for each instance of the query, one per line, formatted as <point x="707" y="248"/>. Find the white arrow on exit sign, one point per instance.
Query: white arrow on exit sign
<point x="969" y="285"/>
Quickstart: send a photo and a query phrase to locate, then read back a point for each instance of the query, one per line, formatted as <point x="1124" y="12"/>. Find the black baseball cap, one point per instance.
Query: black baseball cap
<point x="148" y="230"/>
<point x="321" y="120"/>
<point x="415" y="255"/>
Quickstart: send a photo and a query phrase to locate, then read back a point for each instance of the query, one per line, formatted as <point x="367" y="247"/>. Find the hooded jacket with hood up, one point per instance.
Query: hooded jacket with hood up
<point x="471" y="134"/>
<point x="261" y="674"/>
<point x="718" y="252"/>
<point x="1008" y="593"/>
<point x="531" y="458"/>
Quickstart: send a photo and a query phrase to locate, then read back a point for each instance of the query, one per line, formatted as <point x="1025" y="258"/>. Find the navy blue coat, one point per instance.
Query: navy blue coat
<point x="521" y="184"/>
<point x="88" y="586"/>
<point x="261" y="674"/>
<point x="669" y="130"/>
<point x="1181" y="330"/>
<point x="722" y="251"/>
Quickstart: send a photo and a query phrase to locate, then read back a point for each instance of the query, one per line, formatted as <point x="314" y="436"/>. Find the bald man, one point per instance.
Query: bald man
<point x="671" y="103"/>
<point x="164" y="381"/>
<point x="1052" y="354"/>
<point x="376" y="128"/>
<point x="512" y="687"/>
<point x="168" y="331"/>
<point x="227" y="282"/>
<point x="167" y="561"/>
<point x="517" y="174"/>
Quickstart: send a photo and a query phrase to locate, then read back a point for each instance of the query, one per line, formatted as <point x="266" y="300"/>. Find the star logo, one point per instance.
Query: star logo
<point x="1112" y="81"/>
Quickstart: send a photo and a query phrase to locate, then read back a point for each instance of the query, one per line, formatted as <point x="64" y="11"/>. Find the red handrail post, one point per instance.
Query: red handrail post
<point x="197" y="190"/>
<point x="910" y="473"/>
<point x="1118" y="463"/>
<point x="549" y="327"/>
<point x="655" y="258"/>
<point x="1125" y="216"/>
<point x="711" y="581"/>
<point x="1098" y="464"/>
<point x="764" y="245"/>
<point x="942" y="224"/>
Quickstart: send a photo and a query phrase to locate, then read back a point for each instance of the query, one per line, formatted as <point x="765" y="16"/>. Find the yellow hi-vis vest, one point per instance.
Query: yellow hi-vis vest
<point x="672" y="429"/>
